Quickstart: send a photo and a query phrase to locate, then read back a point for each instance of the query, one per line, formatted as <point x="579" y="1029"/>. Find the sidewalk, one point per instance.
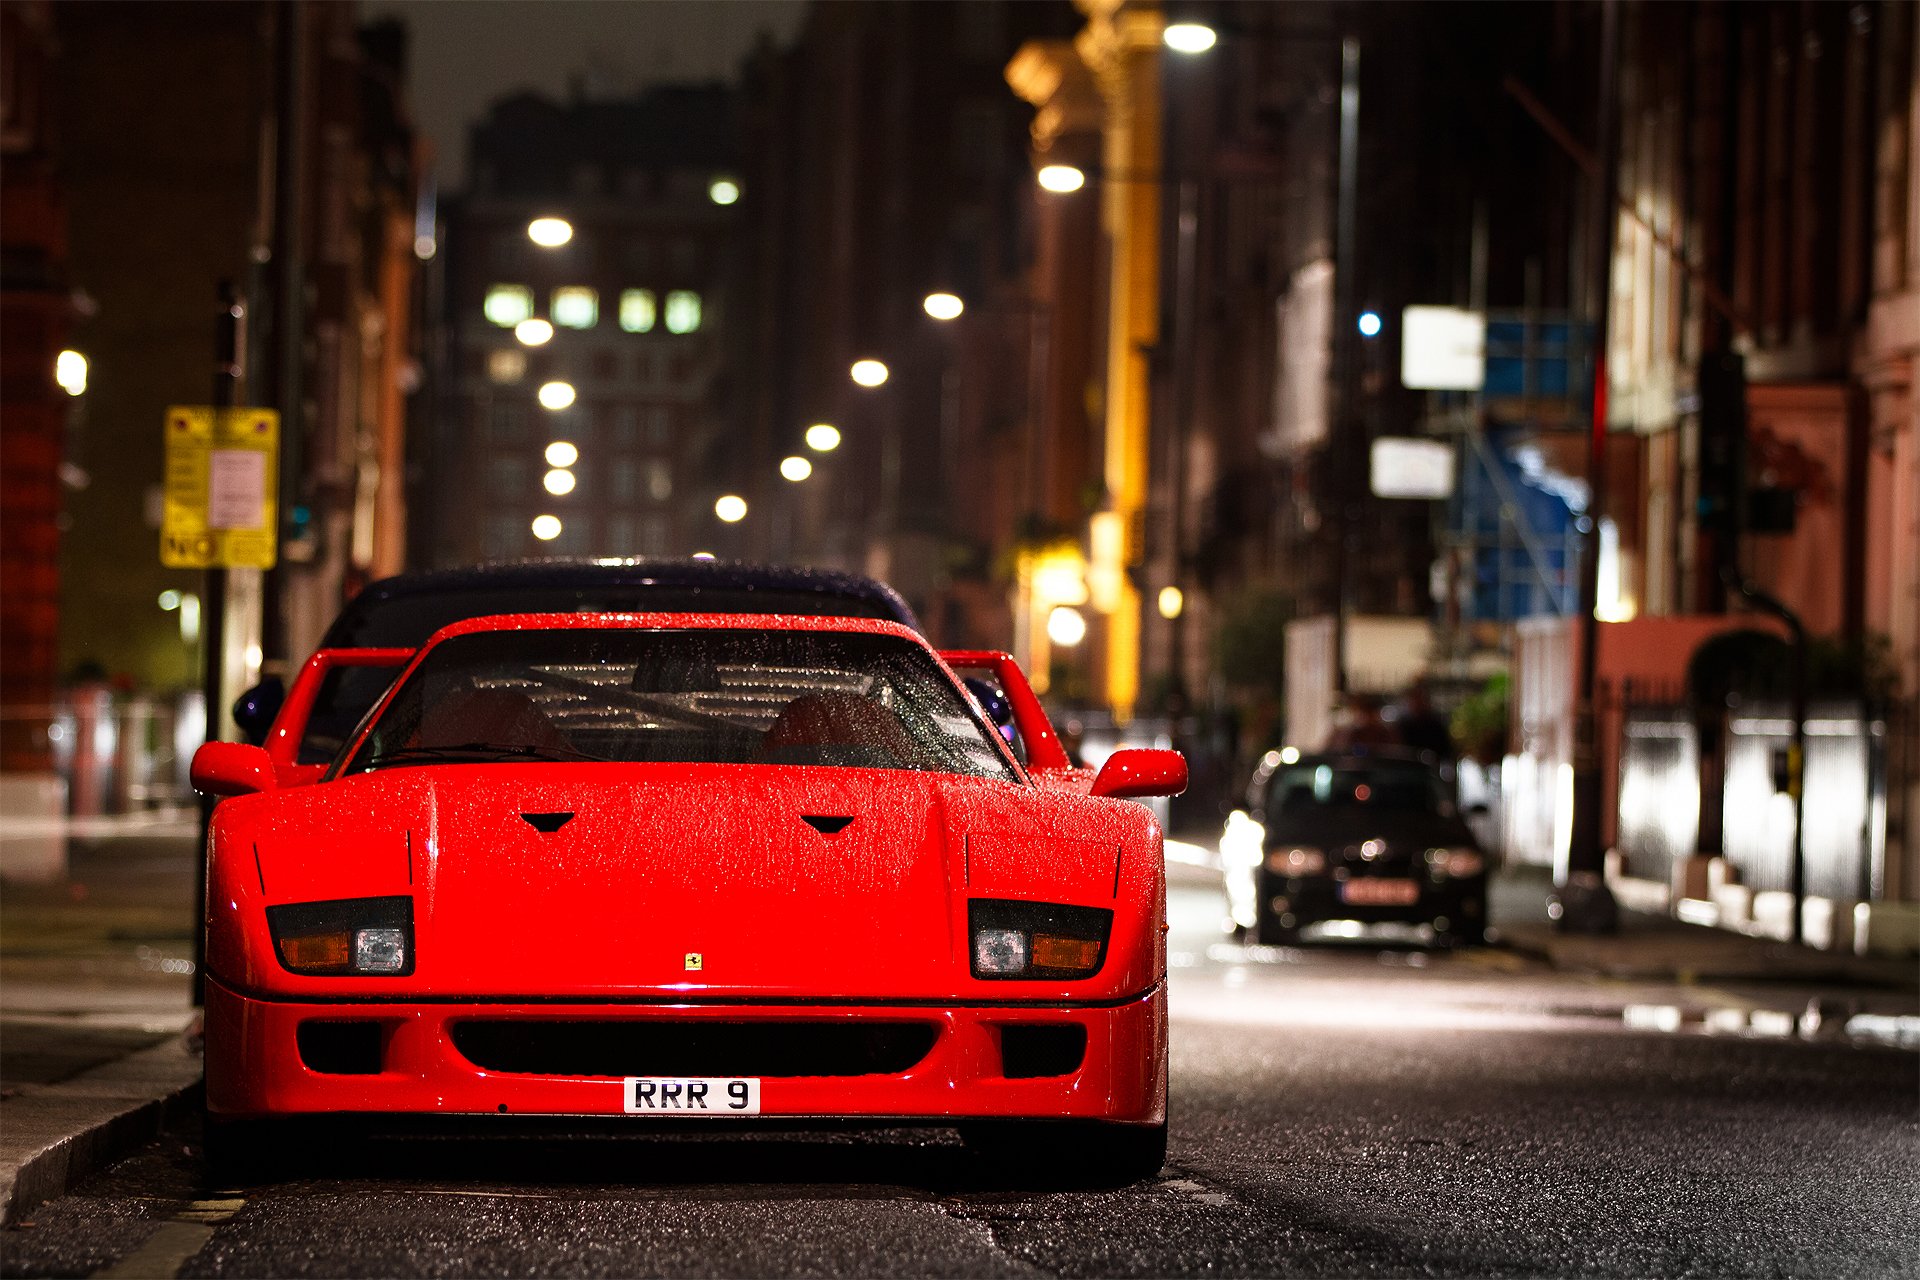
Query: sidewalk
<point x="1658" y="946"/>
<point x="95" y="964"/>
<point x="1646" y="947"/>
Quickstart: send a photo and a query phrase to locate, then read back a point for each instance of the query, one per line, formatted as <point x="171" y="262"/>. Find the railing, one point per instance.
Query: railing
<point x="119" y="753"/>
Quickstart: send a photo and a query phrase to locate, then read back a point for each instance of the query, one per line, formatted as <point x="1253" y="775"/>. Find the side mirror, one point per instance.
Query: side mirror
<point x="1140" y="771"/>
<point x="231" y="769"/>
<point x="998" y="709"/>
<point x="255" y="709"/>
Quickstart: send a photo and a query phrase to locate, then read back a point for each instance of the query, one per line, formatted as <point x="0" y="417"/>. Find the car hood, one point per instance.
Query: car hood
<point x="559" y="880"/>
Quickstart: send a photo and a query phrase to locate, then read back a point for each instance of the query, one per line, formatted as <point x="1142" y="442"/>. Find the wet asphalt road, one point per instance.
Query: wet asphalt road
<point x="1335" y="1113"/>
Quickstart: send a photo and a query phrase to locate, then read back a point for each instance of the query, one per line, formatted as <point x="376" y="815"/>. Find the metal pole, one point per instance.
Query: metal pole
<point x="1583" y="903"/>
<point x="228" y="343"/>
<point x="286" y="307"/>
<point x="1183" y="383"/>
<point x="1345" y="468"/>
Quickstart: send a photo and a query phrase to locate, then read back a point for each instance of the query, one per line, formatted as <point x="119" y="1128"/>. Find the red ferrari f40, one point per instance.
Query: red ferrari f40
<point x="693" y="867"/>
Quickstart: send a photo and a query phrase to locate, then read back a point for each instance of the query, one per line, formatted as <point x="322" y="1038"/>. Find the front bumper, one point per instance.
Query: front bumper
<point x="255" y="1065"/>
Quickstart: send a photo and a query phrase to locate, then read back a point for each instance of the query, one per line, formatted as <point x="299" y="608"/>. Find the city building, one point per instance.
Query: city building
<point x="891" y="225"/>
<point x="593" y="281"/>
<point x="287" y="182"/>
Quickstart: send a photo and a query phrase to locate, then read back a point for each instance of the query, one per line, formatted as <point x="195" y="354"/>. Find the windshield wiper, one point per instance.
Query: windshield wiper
<point x="470" y="752"/>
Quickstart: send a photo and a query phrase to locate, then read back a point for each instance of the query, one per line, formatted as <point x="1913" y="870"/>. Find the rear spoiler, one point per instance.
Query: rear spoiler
<point x="290" y="726"/>
<point x="1029" y="717"/>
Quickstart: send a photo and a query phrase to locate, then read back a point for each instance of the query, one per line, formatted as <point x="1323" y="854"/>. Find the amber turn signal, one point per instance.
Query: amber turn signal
<point x="316" y="951"/>
<point x="1051" y="951"/>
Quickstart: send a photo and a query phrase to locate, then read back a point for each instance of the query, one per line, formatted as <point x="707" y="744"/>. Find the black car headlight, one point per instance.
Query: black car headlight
<point x="1010" y="939"/>
<point x="370" y="936"/>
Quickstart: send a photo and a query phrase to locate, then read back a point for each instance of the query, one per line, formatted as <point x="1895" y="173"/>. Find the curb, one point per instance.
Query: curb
<point x="55" y="1135"/>
<point x="1686" y="959"/>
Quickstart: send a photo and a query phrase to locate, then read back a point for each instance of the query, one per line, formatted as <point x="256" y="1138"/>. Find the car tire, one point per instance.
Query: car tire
<point x="1071" y="1154"/>
<point x="239" y="1152"/>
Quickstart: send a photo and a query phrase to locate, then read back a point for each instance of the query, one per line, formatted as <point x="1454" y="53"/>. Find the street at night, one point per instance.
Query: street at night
<point x="1336" y="1111"/>
<point x="960" y="638"/>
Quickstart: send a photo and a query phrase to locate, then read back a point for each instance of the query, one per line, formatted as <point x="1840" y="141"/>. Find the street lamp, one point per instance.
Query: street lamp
<point x="1061" y="178"/>
<point x="723" y="191"/>
<point x="556" y="395"/>
<point x="70" y="371"/>
<point x="943" y="306"/>
<point x="731" y="508"/>
<point x="1189" y="37"/>
<point x="562" y="453"/>
<point x="869" y="373"/>
<point x="823" y="437"/>
<point x="795" y="468"/>
<point x="546" y="528"/>
<point x="534" y="332"/>
<point x="559" y="482"/>
<point x="549" y="233"/>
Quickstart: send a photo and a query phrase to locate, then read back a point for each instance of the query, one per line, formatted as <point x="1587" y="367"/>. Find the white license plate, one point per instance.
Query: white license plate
<point x="1380" y="893"/>
<point x="692" y="1095"/>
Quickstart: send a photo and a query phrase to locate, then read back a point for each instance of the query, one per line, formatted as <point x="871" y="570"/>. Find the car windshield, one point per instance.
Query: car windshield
<point x="721" y="696"/>
<point x="1312" y="787"/>
<point x="406" y="621"/>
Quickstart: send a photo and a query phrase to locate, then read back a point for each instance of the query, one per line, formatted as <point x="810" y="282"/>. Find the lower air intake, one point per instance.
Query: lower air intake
<point x="702" y="1048"/>
<point x="1029" y="1053"/>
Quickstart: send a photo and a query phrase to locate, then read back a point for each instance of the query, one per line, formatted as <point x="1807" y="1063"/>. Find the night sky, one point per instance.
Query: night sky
<point x="467" y="53"/>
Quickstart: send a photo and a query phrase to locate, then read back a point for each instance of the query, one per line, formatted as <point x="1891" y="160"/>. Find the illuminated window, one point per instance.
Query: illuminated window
<point x="507" y="366"/>
<point x="508" y="304"/>
<point x="576" y="307"/>
<point x="683" y="311"/>
<point x="636" y="310"/>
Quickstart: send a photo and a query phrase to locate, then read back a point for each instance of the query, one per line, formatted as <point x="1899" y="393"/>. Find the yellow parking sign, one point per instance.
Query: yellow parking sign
<point x="222" y="484"/>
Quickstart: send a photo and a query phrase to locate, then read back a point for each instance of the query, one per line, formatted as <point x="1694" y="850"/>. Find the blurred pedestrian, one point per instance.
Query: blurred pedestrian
<point x="1364" y="727"/>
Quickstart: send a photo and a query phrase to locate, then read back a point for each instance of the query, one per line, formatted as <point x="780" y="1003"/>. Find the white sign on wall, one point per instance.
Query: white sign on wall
<point x="1442" y="349"/>
<point x="1410" y="467"/>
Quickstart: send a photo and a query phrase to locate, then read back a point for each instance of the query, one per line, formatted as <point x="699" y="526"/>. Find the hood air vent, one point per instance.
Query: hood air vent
<point x="825" y="824"/>
<point x="547" y="822"/>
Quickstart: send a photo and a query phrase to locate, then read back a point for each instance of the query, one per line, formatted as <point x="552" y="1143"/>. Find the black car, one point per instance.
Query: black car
<point x="402" y="611"/>
<point x="1353" y="840"/>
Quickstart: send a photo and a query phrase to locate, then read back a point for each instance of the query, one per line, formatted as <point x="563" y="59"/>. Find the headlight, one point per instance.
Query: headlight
<point x="1011" y="939"/>
<point x="1458" y="863"/>
<point x="1297" y="860"/>
<point x="372" y="936"/>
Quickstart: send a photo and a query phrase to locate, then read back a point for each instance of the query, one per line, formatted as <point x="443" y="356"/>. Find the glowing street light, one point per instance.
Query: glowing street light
<point x="556" y="395"/>
<point x="1172" y="602"/>
<point x="549" y="233"/>
<point x="546" y="528"/>
<point x="1066" y="627"/>
<point x="562" y="453"/>
<point x="731" y="508"/>
<point x="823" y="437"/>
<point x="534" y="333"/>
<point x="1369" y="324"/>
<point x="795" y="468"/>
<point x="723" y="191"/>
<point x="1189" y="37"/>
<point x="70" y="371"/>
<point x="869" y="373"/>
<point x="944" y="306"/>
<point x="559" y="482"/>
<point x="1061" y="178"/>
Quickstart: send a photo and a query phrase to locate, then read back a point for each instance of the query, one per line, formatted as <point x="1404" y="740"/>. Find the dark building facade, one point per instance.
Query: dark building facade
<point x="588" y="389"/>
<point x="888" y="163"/>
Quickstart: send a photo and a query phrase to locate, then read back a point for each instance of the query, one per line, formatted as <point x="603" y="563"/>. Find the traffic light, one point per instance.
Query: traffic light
<point x="1722" y="386"/>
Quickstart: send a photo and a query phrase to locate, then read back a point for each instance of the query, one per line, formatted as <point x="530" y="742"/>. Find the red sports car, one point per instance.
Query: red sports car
<point x="688" y="866"/>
